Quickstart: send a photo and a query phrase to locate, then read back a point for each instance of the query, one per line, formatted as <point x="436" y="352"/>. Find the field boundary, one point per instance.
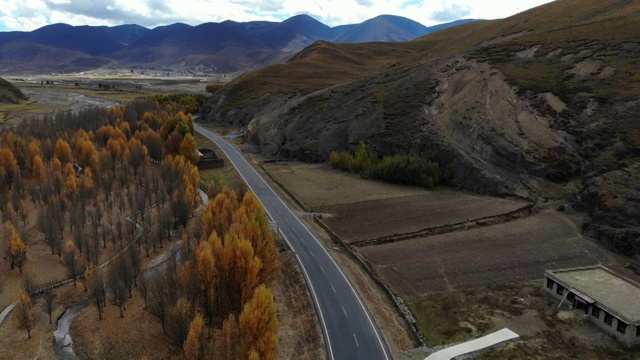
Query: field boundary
<point x="529" y="209"/>
<point x="400" y="306"/>
<point x="284" y="188"/>
<point x="402" y="309"/>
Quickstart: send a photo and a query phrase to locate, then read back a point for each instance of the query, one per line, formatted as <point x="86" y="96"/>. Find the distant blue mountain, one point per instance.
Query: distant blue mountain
<point x="225" y="46"/>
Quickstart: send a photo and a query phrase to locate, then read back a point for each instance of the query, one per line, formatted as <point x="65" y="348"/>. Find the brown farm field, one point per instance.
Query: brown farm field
<point x="479" y="272"/>
<point x="501" y="254"/>
<point x="318" y="185"/>
<point x="412" y="213"/>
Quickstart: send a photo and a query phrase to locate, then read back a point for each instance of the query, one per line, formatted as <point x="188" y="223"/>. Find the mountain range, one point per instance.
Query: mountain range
<point x="542" y="105"/>
<point x="211" y="47"/>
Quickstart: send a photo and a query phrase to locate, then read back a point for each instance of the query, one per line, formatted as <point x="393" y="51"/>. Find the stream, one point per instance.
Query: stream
<point x="62" y="343"/>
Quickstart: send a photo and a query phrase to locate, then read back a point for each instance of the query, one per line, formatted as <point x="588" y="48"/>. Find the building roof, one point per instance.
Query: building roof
<point x="607" y="288"/>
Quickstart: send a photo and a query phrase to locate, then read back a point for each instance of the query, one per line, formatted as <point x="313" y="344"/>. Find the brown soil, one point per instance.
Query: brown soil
<point x="137" y="335"/>
<point x="501" y="254"/>
<point x="373" y="219"/>
<point x="319" y="185"/>
<point x="299" y="333"/>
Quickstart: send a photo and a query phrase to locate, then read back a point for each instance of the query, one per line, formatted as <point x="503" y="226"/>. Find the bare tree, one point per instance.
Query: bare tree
<point x="143" y="288"/>
<point x="135" y="263"/>
<point x="118" y="287"/>
<point x="98" y="291"/>
<point x="49" y="302"/>
<point x="159" y="298"/>
<point x="180" y="317"/>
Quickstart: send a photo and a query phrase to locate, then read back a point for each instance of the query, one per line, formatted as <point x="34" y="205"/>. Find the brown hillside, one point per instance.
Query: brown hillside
<point x="9" y="93"/>
<point x="546" y="99"/>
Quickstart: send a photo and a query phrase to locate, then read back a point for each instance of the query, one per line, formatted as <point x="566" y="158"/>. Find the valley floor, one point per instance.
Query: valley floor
<point x="466" y="265"/>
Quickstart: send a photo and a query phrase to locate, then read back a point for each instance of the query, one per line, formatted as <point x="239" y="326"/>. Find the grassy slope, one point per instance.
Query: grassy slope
<point x="9" y="93"/>
<point x="379" y="90"/>
<point x="323" y="64"/>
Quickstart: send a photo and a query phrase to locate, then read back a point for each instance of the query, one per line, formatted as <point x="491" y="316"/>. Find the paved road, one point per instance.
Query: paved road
<point x="349" y="329"/>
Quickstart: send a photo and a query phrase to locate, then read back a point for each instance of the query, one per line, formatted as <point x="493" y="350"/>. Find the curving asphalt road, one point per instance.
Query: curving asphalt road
<point x="349" y="330"/>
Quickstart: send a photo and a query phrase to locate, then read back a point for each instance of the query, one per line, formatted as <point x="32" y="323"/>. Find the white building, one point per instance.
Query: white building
<point x="607" y="299"/>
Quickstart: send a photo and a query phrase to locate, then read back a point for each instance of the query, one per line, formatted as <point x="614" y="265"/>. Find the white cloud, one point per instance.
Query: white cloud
<point x="31" y="14"/>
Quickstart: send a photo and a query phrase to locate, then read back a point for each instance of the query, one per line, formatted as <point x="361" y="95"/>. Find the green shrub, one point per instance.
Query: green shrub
<point x="397" y="169"/>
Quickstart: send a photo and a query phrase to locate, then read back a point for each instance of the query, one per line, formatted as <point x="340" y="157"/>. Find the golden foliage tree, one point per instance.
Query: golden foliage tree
<point x="194" y="346"/>
<point x="62" y="151"/>
<point x="259" y="325"/>
<point x="33" y="150"/>
<point x="86" y="153"/>
<point x="8" y="166"/>
<point x="226" y="341"/>
<point x="39" y="171"/>
<point x="206" y="277"/>
<point x="189" y="149"/>
<point x="24" y="312"/>
<point x="17" y="249"/>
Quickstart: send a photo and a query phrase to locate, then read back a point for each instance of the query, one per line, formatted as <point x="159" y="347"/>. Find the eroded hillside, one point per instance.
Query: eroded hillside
<point x="547" y="99"/>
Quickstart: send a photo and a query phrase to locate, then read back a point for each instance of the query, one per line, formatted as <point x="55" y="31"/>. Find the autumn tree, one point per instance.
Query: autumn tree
<point x="226" y="341"/>
<point x="207" y="277"/>
<point x="17" y="250"/>
<point x="72" y="261"/>
<point x="24" y="312"/>
<point x="180" y="317"/>
<point x="136" y="154"/>
<point x="39" y="171"/>
<point x="189" y="149"/>
<point x="153" y="142"/>
<point x="194" y="346"/>
<point x="86" y="153"/>
<point x="8" y="167"/>
<point x="259" y="325"/>
<point x="62" y="151"/>
<point x="174" y="142"/>
<point x="32" y="151"/>
<point x="48" y="298"/>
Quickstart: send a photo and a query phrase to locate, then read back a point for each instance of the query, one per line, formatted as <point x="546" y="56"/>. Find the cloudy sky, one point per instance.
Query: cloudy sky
<point x="32" y="14"/>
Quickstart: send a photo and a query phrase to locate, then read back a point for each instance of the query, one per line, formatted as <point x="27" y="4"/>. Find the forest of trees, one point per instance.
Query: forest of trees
<point x="118" y="181"/>
<point x="397" y="169"/>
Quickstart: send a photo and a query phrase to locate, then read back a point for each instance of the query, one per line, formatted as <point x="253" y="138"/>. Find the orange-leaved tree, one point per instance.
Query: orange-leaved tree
<point x="17" y="250"/>
<point x="24" y="312"/>
<point x="259" y="325"/>
<point x="189" y="149"/>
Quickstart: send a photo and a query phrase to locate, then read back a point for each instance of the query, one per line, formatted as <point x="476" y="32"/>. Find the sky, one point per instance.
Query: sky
<point x="27" y="15"/>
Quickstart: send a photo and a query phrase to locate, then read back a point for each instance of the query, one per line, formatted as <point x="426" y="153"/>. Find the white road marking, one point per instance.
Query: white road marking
<point x="321" y="269"/>
<point x="344" y="311"/>
<point x="334" y="289"/>
<point x="311" y="252"/>
<point x="384" y="350"/>
<point x="356" y="339"/>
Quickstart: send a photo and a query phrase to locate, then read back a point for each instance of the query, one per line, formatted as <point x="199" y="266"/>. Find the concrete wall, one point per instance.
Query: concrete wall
<point x="629" y="338"/>
<point x="210" y="164"/>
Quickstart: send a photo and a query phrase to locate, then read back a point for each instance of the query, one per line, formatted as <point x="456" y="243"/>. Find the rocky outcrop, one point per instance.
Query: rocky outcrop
<point x="613" y="204"/>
